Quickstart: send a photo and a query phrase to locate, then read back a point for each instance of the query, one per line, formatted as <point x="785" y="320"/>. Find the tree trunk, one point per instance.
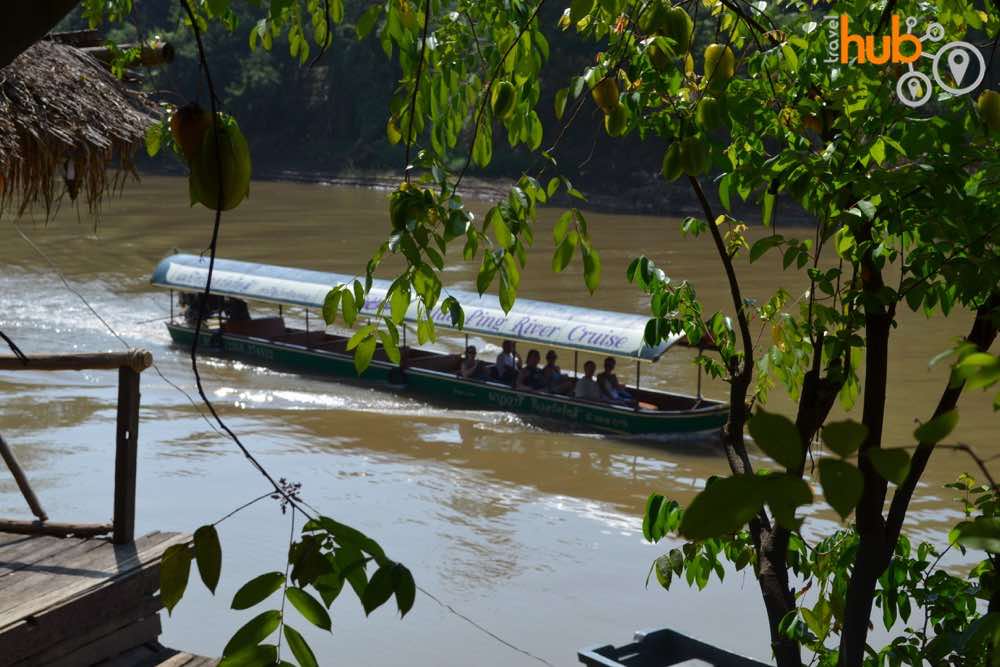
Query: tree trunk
<point x="873" y="552"/>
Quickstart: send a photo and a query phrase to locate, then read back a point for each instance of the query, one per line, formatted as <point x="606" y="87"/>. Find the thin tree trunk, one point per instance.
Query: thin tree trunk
<point x="871" y="557"/>
<point x="879" y="536"/>
<point x="772" y="565"/>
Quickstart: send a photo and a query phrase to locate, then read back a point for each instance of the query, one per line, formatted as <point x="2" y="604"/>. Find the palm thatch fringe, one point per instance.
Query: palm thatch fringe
<point x="64" y="121"/>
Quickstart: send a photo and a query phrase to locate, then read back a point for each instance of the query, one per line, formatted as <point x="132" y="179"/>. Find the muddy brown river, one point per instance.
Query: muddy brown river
<point x="533" y="534"/>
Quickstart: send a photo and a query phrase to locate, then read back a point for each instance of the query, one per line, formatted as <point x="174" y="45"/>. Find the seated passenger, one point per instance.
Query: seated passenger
<point x="531" y="377"/>
<point x="586" y="387"/>
<point x="469" y="368"/>
<point x="612" y="390"/>
<point x="236" y="310"/>
<point x="508" y="363"/>
<point x="555" y="381"/>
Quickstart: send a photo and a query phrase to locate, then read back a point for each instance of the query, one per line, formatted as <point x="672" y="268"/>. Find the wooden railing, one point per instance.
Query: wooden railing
<point x="129" y="365"/>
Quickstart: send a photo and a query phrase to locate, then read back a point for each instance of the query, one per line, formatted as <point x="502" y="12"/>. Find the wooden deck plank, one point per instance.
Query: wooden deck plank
<point x="50" y="592"/>
<point x="62" y="622"/>
<point x="43" y="585"/>
<point x="46" y="649"/>
<point x="53" y="558"/>
<point x="23" y="550"/>
<point x="69" y="602"/>
<point x="116" y="643"/>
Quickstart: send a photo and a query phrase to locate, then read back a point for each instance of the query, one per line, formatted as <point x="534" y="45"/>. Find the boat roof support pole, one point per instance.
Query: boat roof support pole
<point x="637" y="376"/>
<point x="171" y="306"/>
<point x="576" y="356"/>
<point x="700" y="350"/>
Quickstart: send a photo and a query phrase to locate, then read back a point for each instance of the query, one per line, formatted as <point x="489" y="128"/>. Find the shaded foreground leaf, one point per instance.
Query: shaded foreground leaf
<point x="300" y="649"/>
<point x="208" y="554"/>
<point x="378" y="590"/>
<point x="891" y="464"/>
<point x="723" y="507"/>
<point x="936" y="429"/>
<point x="254" y="632"/>
<point x="777" y="436"/>
<point x="309" y="607"/>
<point x="842" y="485"/>
<point x="257" y="589"/>
<point x="254" y="656"/>
<point x="175" y="568"/>
<point x="844" y="437"/>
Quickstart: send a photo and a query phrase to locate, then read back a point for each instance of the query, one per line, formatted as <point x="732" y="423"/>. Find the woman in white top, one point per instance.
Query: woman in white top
<point x="508" y="363"/>
<point x="586" y="387"/>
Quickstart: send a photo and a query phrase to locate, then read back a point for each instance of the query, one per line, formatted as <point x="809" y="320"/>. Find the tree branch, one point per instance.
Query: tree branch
<point x="982" y="334"/>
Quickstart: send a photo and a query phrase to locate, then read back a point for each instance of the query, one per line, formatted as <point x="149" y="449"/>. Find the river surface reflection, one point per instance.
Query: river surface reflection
<point x="531" y="532"/>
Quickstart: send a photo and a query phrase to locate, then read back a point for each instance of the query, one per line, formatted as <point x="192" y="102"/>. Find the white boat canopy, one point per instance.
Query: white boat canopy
<point x="601" y="331"/>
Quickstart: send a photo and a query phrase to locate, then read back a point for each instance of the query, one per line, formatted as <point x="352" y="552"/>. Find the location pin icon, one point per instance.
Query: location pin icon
<point x="958" y="63"/>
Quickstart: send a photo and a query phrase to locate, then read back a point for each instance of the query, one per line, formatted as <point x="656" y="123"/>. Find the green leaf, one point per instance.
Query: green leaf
<point x="309" y="607"/>
<point x="580" y="8"/>
<point x="560" y="229"/>
<point x="761" y="246"/>
<point x="390" y="346"/>
<point x="482" y="148"/>
<point x="399" y="302"/>
<point x="500" y="230"/>
<point x="175" y="568"/>
<point x="842" y="485"/>
<point x="257" y="589"/>
<point x="154" y="135"/>
<point x="404" y="587"/>
<point x="725" y="185"/>
<point x="363" y="354"/>
<point x="208" y="554"/>
<point x="254" y="632"/>
<point x="300" y="649"/>
<point x="653" y="504"/>
<point x="891" y="464"/>
<point x="767" y="215"/>
<point x="778" y="437"/>
<point x="253" y="656"/>
<point x="982" y="533"/>
<point x="378" y="590"/>
<point x="367" y="21"/>
<point x="844" y="437"/>
<point x="724" y="507"/>
<point x="936" y="429"/>
<point x="330" y="304"/>
<point x="877" y="151"/>
<point x="560" y="102"/>
<point x="591" y="269"/>
<point x="217" y="7"/>
<point x="784" y="494"/>
<point x="564" y="252"/>
<point x="347" y="307"/>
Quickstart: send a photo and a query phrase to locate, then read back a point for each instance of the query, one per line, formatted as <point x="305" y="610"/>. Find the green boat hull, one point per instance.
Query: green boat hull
<point x="446" y="387"/>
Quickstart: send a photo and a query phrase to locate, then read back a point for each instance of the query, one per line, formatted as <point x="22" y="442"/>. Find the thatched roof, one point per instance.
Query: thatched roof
<point x="62" y="112"/>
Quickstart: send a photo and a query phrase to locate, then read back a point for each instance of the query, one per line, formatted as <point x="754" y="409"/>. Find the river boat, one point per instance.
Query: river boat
<point x="429" y="373"/>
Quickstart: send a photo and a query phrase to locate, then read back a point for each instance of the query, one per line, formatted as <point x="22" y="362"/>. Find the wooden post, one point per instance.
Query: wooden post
<point x="22" y="481"/>
<point x="126" y="455"/>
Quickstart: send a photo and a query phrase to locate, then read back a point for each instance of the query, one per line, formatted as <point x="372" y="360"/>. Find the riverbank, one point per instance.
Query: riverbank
<point x="648" y="195"/>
